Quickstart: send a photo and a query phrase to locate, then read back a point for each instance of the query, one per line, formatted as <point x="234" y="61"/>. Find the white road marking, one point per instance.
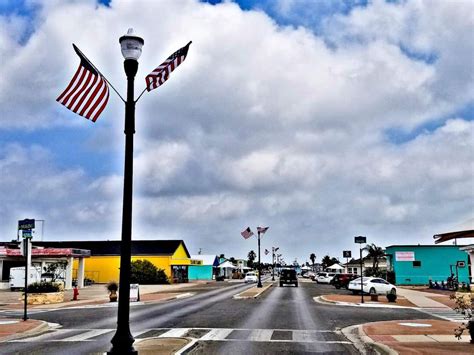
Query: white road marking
<point x="213" y="334"/>
<point x="260" y="335"/>
<point x="174" y="333"/>
<point x="85" y="336"/>
<point x="217" y="334"/>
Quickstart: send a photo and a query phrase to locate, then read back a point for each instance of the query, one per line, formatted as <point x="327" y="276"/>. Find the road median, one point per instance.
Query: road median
<point x="253" y="292"/>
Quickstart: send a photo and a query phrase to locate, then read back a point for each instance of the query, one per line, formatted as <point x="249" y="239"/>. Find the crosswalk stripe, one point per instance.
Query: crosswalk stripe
<point x="217" y="334"/>
<point x="49" y="336"/>
<point x="260" y="335"/>
<point x="174" y="333"/>
<point x="85" y="336"/>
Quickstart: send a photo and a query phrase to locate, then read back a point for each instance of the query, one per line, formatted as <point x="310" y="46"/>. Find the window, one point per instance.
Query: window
<point x="416" y="263"/>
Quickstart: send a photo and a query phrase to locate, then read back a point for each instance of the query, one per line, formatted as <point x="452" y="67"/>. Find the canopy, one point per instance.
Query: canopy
<point x="227" y="264"/>
<point x="335" y="267"/>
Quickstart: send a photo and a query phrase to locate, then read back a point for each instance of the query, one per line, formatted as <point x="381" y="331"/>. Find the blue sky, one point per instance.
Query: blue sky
<point x="325" y="119"/>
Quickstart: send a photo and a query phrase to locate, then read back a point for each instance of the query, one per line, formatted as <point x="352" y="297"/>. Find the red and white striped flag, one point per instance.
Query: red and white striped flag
<point x="158" y="76"/>
<point x="262" y="230"/>
<point x="88" y="93"/>
<point x="247" y="233"/>
<point x="267" y="251"/>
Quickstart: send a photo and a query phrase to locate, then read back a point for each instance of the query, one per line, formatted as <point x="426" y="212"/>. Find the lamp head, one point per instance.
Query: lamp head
<point x="131" y="45"/>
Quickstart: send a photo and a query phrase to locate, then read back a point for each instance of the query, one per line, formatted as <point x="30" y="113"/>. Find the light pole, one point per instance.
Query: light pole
<point x="259" y="263"/>
<point x="361" y="240"/>
<point x="122" y="342"/>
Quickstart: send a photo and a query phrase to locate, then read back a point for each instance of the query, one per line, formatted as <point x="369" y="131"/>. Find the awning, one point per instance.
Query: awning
<point x="335" y="267"/>
<point x="444" y="237"/>
<point x="227" y="264"/>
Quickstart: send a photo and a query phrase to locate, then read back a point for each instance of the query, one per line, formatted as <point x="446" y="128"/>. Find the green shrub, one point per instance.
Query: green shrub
<point x="143" y="272"/>
<point x="43" y="287"/>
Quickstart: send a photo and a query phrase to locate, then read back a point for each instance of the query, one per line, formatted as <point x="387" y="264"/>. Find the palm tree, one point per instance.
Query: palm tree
<point x="375" y="253"/>
<point x="326" y="262"/>
<point x="312" y="257"/>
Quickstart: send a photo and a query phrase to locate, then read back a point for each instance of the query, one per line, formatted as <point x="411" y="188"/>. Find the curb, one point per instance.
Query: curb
<point x="40" y="328"/>
<point x="263" y="289"/>
<point x="356" y="335"/>
<point x="323" y="300"/>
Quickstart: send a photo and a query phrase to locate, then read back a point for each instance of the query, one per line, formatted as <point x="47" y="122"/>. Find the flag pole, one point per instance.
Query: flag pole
<point x="259" y="263"/>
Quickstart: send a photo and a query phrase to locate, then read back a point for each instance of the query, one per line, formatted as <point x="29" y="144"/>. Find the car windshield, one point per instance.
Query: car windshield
<point x="250" y="274"/>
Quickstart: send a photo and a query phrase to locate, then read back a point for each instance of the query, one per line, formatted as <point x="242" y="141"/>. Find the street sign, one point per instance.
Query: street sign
<point x="26" y="224"/>
<point x="346" y="254"/>
<point x="461" y="264"/>
<point x="360" y="240"/>
<point x="27" y="233"/>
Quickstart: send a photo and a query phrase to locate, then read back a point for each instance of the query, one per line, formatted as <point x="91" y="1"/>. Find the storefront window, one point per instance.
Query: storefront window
<point x="179" y="273"/>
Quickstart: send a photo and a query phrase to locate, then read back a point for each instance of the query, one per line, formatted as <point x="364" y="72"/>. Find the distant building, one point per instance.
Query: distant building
<point x="417" y="264"/>
<point x="103" y="265"/>
<point x="10" y="257"/>
<point x="203" y="267"/>
<point x="353" y="266"/>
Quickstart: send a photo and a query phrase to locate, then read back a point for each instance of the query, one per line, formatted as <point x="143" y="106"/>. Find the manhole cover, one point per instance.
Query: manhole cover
<point x="421" y="325"/>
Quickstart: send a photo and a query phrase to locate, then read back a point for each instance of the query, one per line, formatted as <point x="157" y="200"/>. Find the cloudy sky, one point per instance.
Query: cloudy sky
<point x="321" y="119"/>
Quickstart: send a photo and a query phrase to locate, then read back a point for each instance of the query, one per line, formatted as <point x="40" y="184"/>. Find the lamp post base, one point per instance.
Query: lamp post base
<point x="122" y="343"/>
<point x="259" y="285"/>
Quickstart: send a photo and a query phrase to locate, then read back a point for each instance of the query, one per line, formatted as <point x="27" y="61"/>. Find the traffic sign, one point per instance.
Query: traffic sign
<point x="346" y="254"/>
<point x="360" y="239"/>
<point x="27" y="233"/>
<point x="26" y="224"/>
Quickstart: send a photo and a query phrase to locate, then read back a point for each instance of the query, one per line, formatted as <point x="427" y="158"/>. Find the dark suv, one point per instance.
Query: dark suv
<point x="342" y="280"/>
<point x="288" y="276"/>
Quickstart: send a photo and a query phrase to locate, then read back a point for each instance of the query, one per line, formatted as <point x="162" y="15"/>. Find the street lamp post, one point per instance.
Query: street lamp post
<point x="259" y="263"/>
<point x="122" y="342"/>
<point x="361" y="240"/>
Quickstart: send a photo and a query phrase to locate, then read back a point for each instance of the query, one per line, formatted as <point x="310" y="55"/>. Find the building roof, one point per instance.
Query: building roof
<point x="444" y="237"/>
<point x="424" y="246"/>
<point x="112" y="247"/>
<point x="207" y="259"/>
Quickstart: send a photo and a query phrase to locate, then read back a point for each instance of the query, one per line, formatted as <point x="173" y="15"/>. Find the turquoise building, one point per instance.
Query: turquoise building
<point x="203" y="267"/>
<point x="417" y="264"/>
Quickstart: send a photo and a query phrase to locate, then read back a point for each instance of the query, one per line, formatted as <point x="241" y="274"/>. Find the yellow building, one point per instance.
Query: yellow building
<point x="103" y="265"/>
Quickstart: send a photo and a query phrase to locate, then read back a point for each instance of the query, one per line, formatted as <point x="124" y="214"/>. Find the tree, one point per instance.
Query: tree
<point x="375" y="253"/>
<point x="312" y="257"/>
<point x="56" y="270"/>
<point x="251" y="257"/>
<point x="326" y="261"/>
<point x="145" y="273"/>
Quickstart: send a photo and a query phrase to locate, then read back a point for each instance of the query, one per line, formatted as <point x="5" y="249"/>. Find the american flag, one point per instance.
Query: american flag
<point x="262" y="230"/>
<point x="88" y="93"/>
<point x="158" y="76"/>
<point x="267" y="251"/>
<point x="247" y="233"/>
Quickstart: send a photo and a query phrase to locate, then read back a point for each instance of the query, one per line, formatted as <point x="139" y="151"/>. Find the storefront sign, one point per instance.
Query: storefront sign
<point x="196" y="262"/>
<point x="404" y="256"/>
<point x="26" y="224"/>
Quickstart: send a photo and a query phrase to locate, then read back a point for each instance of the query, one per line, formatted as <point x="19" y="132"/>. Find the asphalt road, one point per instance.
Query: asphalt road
<point x="283" y="320"/>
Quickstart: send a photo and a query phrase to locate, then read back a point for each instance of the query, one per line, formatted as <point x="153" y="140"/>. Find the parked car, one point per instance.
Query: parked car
<point x="342" y="280"/>
<point x="308" y="275"/>
<point x="372" y="285"/>
<point x="251" y="277"/>
<point x="288" y="276"/>
<point x="325" y="277"/>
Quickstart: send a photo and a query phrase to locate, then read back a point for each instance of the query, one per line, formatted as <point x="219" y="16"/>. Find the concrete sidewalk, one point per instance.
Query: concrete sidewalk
<point x="415" y="337"/>
<point x="420" y="299"/>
